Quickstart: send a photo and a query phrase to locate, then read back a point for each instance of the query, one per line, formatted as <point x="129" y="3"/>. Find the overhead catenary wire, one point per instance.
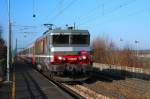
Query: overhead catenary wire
<point x="128" y="15"/>
<point x="61" y="3"/>
<point x="132" y="14"/>
<point x="110" y="12"/>
<point x="94" y="10"/>
<point x="23" y="29"/>
<point x="63" y="10"/>
<point x="56" y="8"/>
<point x="25" y="26"/>
<point x="139" y="12"/>
<point x="121" y="6"/>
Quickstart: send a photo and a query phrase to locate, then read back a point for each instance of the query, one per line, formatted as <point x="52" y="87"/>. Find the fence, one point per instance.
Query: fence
<point x="132" y="71"/>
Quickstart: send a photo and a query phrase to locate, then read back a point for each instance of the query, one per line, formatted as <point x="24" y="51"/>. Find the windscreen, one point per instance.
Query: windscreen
<point x="80" y="39"/>
<point x="60" y="39"/>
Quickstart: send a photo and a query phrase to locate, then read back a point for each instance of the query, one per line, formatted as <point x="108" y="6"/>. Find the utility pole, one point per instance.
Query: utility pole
<point x="9" y="45"/>
<point x="121" y="40"/>
<point x="74" y="25"/>
<point x="16" y="47"/>
<point x="136" y="42"/>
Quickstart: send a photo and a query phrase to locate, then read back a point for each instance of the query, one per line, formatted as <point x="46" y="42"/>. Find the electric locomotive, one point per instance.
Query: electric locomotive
<point x="61" y="51"/>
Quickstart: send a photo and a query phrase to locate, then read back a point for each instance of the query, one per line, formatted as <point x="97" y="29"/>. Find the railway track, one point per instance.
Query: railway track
<point x="100" y="89"/>
<point x="77" y="90"/>
<point x="86" y="92"/>
<point x="85" y="89"/>
<point x="63" y="87"/>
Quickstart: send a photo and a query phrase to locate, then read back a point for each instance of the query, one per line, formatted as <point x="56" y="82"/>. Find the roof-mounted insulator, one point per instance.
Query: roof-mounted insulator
<point x="50" y="26"/>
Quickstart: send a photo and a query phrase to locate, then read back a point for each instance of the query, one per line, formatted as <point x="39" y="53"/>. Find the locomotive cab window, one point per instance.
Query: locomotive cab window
<point x="60" y="39"/>
<point x="80" y="39"/>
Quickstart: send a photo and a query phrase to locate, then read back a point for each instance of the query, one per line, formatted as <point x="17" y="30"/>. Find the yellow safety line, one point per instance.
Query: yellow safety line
<point x="14" y="86"/>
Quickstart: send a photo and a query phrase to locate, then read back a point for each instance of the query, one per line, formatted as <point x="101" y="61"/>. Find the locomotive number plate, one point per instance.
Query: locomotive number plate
<point x="73" y="59"/>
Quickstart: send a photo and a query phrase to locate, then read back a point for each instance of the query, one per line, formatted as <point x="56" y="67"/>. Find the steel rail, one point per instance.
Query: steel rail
<point x="63" y="87"/>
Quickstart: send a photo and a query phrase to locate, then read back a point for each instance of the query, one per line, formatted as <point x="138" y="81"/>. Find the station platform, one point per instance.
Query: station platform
<point x="30" y="84"/>
<point x="5" y="90"/>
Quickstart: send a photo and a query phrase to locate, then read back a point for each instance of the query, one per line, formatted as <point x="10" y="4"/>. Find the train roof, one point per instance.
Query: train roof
<point x="66" y="31"/>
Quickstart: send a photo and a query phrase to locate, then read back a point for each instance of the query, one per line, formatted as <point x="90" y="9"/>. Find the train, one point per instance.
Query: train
<point x="61" y="51"/>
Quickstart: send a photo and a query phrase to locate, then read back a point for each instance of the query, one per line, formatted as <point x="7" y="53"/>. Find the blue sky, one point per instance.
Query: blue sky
<point x="114" y="19"/>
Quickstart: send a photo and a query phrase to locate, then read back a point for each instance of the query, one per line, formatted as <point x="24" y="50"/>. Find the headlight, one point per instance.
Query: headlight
<point x="64" y="58"/>
<point x="83" y="57"/>
<point x="59" y="57"/>
<point x="80" y="58"/>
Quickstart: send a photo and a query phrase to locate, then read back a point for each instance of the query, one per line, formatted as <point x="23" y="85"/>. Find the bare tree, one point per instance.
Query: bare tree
<point x="105" y="51"/>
